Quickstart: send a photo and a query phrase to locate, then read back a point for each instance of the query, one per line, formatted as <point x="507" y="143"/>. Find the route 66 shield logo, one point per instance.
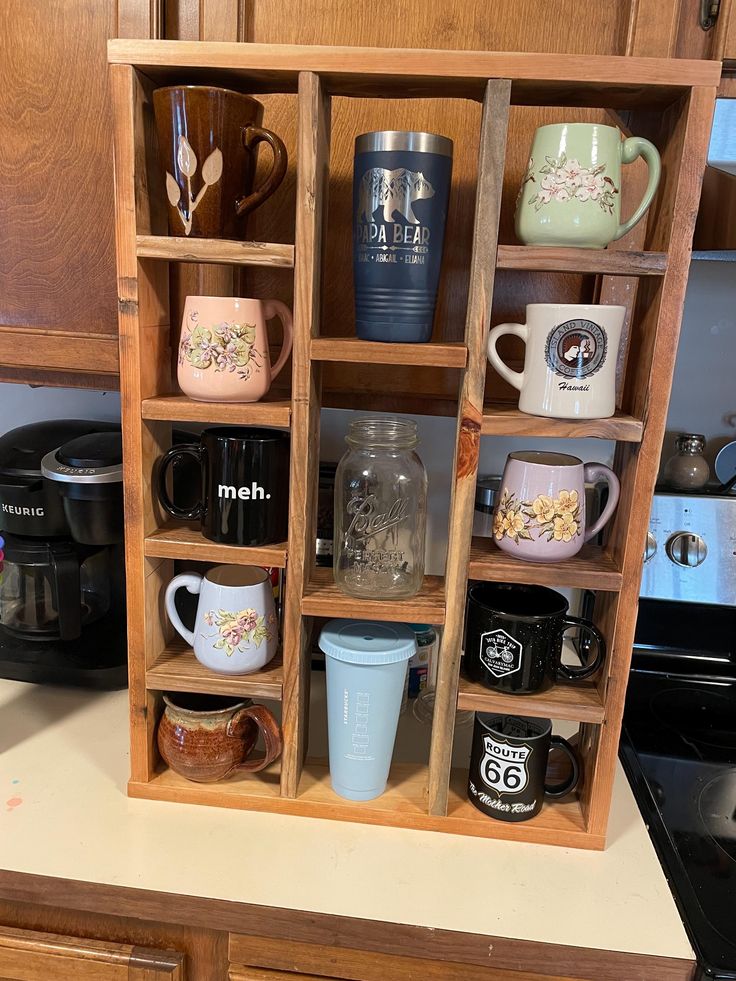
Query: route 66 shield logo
<point x="503" y="767"/>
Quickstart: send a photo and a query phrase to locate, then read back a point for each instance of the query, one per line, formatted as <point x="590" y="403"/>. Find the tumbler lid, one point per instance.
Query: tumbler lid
<point x="391" y="139"/>
<point x="367" y="641"/>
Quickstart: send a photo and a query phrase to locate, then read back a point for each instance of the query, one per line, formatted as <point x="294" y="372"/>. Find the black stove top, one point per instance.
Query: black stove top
<point x="679" y="750"/>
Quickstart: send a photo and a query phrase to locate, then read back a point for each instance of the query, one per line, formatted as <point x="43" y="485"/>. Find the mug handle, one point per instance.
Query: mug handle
<point x="193" y="582"/>
<point x="585" y="670"/>
<point x="251" y="136"/>
<point x="188" y="449"/>
<point x="269" y="729"/>
<point x="515" y="378"/>
<point x="633" y="148"/>
<point x="592" y="473"/>
<point x="275" y="308"/>
<point x="555" y="790"/>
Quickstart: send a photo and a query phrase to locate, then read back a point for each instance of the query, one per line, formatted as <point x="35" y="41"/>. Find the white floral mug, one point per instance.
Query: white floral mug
<point x="540" y="509"/>
<point x="223" y="351"/>
<point x="236" y="630"/>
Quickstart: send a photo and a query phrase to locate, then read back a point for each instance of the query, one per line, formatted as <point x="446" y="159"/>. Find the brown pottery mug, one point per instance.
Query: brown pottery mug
<point x="208" y="141"/>
<point x="207" y="737"/>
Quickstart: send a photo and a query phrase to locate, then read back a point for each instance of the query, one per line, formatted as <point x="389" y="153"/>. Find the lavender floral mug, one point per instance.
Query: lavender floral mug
<point x="540" y="510"/>
<point x="235" y="631"/>
<point x="223" y="351"/>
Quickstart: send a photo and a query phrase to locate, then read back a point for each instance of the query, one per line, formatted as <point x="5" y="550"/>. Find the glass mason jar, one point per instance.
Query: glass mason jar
<point x="380" y="510"/>
<point x="687" y="469"/>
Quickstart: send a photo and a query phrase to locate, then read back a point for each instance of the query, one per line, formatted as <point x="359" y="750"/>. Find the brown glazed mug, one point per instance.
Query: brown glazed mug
<point x="207" y="737"/>
<point x="208" y="141"/>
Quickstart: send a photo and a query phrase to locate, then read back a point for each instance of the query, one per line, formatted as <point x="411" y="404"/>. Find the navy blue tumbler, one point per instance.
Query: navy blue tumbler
<point x="401" y="186"/>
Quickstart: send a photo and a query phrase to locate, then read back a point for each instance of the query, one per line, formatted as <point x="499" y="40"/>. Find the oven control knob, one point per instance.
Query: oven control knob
<point x="686" y="549"/>
<point x="650" y="549"/>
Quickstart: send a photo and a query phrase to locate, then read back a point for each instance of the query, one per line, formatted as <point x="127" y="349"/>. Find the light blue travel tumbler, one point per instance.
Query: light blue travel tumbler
<point x="366" y="669"/>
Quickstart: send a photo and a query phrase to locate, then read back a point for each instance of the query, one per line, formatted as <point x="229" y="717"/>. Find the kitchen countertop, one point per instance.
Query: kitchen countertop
<point x="64" y="813"/>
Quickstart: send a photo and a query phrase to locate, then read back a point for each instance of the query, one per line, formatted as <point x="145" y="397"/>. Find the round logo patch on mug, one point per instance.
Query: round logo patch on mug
<point x="576" y="349"/>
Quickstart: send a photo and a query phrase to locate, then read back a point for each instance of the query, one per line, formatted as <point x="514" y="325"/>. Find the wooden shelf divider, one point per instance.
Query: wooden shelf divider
<point x="504" y="419"/>
<point x="323" y="598"/>
<point x="179" y="408"/>
<point x="352" y="349"/>
<point x="179" y="540"/>
<point x="177" y="669"/>
<point x="602" y="262"/>
<point x="670" y="102"/>
<point x="224" y="251"/>
<point x="579" y="702"/>
<point x="591" y="568"/>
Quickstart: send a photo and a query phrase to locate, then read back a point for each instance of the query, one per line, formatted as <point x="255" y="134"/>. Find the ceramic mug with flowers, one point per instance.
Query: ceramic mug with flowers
<point x="236" y="629"/>
<point x="223" y="349"/>
<point x="540" y="508"/>
<point x="570" y="194"/>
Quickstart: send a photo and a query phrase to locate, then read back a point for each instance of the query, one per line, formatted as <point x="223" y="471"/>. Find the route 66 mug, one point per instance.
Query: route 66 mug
<point x="570" y="359"/>
<point x="235" y="629"/>
<point x="540" y="510"/>
<point x="223" y="351"/>
<point x="507" y="779"/>
<point x="571" y="192"/>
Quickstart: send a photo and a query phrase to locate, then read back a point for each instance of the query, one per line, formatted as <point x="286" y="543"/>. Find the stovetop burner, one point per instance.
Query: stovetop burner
<point x="703" y="715"/>
<point x="717" y="810"/>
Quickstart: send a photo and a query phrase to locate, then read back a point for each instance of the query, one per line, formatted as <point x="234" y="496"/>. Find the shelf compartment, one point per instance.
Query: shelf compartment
<point x="177" y="540"/>
<point x="578" y="702"/>
<point x="354" y="350"/>
<point x="225" y="251"/>
<point x="402" y="805"/>
<point x="591" y="568"/>
<point x="604" y="262"/>
<point x="179" y="408"/>
<point x="323" y="598"/>
<point x="177" y="669"/>
<point x="505" y="419"/>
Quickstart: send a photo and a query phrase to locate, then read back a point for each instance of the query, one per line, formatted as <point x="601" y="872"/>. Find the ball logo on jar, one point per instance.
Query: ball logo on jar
<point x="503" y="767"/>
<point x="366" y="522"/>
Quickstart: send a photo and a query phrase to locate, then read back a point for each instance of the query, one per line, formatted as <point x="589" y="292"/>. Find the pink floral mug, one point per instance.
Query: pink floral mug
<point x="540" y="509"/>
<point x="235" y="629"/>
<point x="223" y="351"/>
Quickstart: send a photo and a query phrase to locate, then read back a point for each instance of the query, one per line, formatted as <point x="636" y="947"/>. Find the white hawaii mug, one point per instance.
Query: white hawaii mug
<point x="570" y="359"/>
<point x="236" y="630"/>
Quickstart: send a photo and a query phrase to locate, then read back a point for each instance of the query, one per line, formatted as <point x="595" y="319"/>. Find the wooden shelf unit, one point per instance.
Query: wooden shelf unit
<point x="671" y="103"/>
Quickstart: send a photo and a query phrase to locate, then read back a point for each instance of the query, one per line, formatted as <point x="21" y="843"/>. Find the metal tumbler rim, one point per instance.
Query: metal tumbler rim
<point x="392" y="139"/>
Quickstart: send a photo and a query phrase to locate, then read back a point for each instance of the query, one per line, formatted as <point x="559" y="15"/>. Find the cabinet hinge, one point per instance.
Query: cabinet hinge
<point x="709" y="10"/>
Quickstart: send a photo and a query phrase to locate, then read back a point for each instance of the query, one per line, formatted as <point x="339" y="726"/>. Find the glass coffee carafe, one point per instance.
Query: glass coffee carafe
<point x="380" y="511"/>
<point x="50" y="590"/>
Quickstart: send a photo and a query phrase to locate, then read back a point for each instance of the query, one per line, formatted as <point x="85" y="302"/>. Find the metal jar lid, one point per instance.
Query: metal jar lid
<point x="486" y="489"/>
<point x="690" y="443"/>
<point x="393" y="139"/>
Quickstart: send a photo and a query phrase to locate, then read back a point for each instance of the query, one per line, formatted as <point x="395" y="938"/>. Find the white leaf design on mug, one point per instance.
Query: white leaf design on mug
<point x="172" y="190"/>
<point x="212" y="167"/>
<point x="186" y="158"/>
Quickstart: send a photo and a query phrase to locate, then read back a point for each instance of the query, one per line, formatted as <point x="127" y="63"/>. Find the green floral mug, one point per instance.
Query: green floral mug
<point x="571" y="192"/>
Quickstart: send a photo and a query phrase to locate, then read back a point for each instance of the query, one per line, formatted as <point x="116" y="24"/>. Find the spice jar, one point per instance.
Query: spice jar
<point x="380" y="510"/>
<point x="687" y="469"/>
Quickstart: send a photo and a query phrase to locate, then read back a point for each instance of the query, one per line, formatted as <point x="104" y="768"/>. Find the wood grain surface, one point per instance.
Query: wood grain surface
<point x="502" y="419"/>
<point x="182" y="540"/>
<point x="591" y="568"/>
<point x="177" y="669"/>
<point x="323" y="598"/>
<point x="180" y="408"/>
<point x="176" y="249"/>
<point x="580" y="702"/>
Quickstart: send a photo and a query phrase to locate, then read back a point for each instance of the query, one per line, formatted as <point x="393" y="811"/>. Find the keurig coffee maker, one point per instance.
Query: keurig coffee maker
<point x="62" y="584"/>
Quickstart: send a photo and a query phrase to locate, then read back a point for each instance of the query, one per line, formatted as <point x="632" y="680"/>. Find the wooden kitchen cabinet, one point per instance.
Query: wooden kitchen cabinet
<point x="26" y="955"/>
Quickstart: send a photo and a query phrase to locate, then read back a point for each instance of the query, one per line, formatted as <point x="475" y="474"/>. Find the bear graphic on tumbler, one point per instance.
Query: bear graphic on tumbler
<point x="393" y="190"/>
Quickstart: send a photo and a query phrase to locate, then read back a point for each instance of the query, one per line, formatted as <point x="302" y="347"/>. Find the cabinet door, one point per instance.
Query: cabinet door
<point x="29" y="956"/>
<point x="58" y="302"/>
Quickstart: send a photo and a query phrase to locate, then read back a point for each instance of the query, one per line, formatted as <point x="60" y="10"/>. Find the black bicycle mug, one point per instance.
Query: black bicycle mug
<point x="508" y="766"/>
<point x="244" y="496"/>
<point x="513" y="638"/>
